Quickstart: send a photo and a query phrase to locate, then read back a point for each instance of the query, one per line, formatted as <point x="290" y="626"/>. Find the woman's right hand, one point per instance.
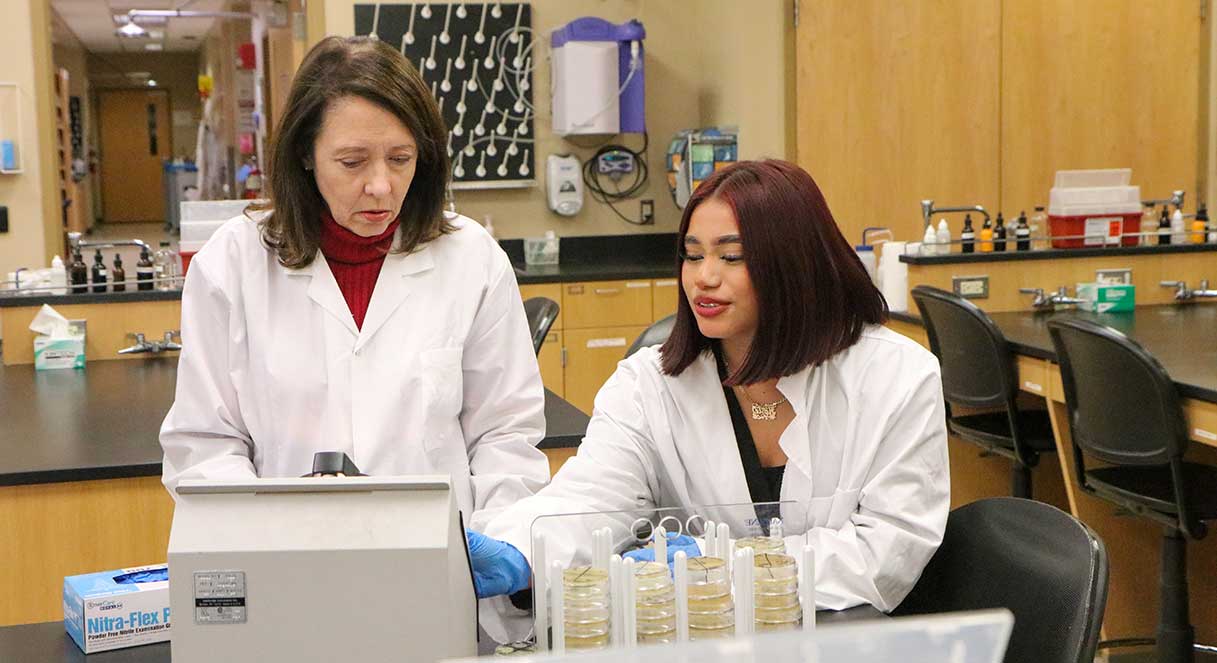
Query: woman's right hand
<point x="498" y="568"/>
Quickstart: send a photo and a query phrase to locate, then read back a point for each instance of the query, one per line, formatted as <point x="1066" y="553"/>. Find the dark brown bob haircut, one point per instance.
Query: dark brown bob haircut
<point x="335" y="68"/>
<point x="813" y="295"/>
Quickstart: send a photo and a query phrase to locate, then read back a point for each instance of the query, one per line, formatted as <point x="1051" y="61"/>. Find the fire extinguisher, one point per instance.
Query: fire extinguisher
<point x="253" y="183"/>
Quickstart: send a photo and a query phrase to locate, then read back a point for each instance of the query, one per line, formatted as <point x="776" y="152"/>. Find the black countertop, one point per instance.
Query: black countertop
<point x="1183" y="337"/>
<point x="597" y="258"/>
<point x="49" y="643"/>
<point x="600" y="258"/>
<point x="104" y="422"/>
<point x="127" y="297"/>
<point x="1053" y="254"/>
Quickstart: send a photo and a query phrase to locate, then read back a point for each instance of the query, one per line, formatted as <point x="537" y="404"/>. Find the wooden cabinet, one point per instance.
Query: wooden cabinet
<point x="591" y="357"/>
<point x="665" y="297"/>
<point x="598" y="322"/>
<point x="594" y="304"/>
<point x="982" y="101"/>
<point x="550" y="361"/>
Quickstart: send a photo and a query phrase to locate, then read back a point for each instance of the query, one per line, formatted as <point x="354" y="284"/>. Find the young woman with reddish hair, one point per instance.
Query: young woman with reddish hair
<point x="778" y="382"/>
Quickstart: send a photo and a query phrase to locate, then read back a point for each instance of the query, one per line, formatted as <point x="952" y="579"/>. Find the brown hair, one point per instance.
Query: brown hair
<point x="813" y="294"/>
<point x="339" y="67"/>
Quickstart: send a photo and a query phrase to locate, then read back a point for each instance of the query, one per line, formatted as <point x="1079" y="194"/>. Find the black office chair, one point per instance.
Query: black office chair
<point x="656" y="334"/>
<point x="978" y="371"/>
<point x="541" y="313"/>
<point x="1031" y="558"/>
<point x="1125" y="412"/>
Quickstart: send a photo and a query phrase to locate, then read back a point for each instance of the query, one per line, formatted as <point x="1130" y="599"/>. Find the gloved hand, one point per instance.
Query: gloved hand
<point x="682" y="542"/>
<point x="498" y="568"/>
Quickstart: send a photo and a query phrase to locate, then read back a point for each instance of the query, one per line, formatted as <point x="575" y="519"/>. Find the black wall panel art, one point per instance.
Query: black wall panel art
<point x="478" y="61"/>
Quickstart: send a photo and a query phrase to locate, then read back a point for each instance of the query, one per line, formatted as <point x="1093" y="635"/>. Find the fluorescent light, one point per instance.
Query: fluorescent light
<point x="151" y="82"/>
<point x="132" y="30"/>
<point x="154" y="47"/>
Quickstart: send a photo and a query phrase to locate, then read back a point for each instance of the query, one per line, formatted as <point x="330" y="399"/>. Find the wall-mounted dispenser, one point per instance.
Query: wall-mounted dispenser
<point x="597" y="77"/>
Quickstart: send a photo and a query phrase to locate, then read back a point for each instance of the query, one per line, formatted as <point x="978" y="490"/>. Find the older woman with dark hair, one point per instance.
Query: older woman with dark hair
<point x="778" y="382"/>
<point x="350" y="313"/>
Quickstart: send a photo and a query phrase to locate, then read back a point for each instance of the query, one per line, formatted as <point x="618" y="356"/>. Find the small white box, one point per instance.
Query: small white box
<point x="56" y="353"/>
<point x="116" y="609"/>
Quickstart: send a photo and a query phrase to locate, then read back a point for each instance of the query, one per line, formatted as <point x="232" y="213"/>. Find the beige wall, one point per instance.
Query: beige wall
<point x="175" y="72"/>
<point x="745" y="85"/>
<point x="25" y="59"/>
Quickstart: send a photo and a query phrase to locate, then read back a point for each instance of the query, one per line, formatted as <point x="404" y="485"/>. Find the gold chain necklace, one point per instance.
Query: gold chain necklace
<point x="763" y="411"/>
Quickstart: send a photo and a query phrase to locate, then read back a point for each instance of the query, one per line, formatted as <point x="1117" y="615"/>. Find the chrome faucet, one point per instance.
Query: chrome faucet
<point x="155" y="347"/>
<point x="1182" y="294"/>
<point x="928" y="210"/>
<point x="1176" y="199"/>
<point x="75" y="243"/>
<point x="1045" y="301"/>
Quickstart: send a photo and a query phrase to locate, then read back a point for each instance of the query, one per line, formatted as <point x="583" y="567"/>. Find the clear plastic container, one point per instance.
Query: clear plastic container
<point x="761" y="544"/>
<point x="541" y="250"/>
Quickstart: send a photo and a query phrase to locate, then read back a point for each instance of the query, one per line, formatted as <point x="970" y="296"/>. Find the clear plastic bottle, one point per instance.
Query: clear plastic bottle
<point x="1039" y="226"/>
<point x="167" y="267"/>
<point x="1149" y="225"/>
<point x="59" y="277"/>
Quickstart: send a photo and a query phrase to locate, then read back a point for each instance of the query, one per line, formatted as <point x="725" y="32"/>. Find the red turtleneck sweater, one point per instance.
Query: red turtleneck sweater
<point x="355" y="262"/>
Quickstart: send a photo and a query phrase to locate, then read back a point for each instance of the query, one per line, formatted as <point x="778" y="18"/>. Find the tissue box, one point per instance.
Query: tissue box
<point x="116" y="609"/>
<point x="1107" y="298"/>
<point x="66" y="352"/>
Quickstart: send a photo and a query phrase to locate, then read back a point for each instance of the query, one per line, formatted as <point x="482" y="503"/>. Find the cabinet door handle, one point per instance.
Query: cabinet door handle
<point x="607" y="291"/>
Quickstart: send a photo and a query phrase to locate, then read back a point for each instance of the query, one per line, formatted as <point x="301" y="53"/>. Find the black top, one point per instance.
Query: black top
<point x="764" y="483"/>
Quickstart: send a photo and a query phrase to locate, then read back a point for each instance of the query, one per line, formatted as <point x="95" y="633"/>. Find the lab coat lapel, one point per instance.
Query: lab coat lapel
<point x="796" y="440"/>
<point x="393" y="286"/>
<point x="323" y="290"/>
<point x="709" y="430"/>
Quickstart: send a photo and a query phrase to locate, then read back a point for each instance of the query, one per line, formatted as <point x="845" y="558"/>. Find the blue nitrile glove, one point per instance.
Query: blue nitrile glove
<point x="682" y="542"/>
<point x="498" y="568"/>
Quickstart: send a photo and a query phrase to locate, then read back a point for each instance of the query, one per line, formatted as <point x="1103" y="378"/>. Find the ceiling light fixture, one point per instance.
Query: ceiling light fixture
<point x="151" y="82"/>
<point x="154" y="47"/>
<point x="132" y="30"/>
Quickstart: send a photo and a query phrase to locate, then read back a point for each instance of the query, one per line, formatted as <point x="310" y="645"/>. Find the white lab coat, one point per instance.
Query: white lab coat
<point x="867" y="466"/>
<point x="441" y="379"/>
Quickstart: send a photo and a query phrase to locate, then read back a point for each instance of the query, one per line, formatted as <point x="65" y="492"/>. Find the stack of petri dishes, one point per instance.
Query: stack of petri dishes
<point x="711" y="610"/>
<point x="585" y="597"/>
<point x="655" y="603"/>
<point x="776" y="592"/>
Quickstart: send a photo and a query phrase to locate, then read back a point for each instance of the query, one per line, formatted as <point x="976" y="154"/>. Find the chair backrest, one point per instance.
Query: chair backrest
<point x="977" y="365"/>
<point x="1031" y="558"/>
<point x="1123" y="407"/>
<point x="656" y="334"/>
<point x="541" y="313"/>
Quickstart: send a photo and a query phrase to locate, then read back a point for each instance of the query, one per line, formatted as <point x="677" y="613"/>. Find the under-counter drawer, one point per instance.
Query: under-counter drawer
<point x="591" y="357"/>
<point x="606" y="304"/>
<point x="666" y="296"/>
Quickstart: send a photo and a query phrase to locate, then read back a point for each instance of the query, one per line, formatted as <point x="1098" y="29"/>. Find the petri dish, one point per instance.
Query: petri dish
<point x="761" y="544"/>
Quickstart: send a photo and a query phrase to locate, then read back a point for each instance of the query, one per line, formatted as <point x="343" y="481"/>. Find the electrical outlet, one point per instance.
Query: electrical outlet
<point x="646" y="212"/>
<point x="971" y="287"/>
<point x="3" y="219"/>
<point x="1122" y="276"/>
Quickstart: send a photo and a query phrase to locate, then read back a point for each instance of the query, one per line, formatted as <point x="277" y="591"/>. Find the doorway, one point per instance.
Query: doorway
<point x="135" y="138"/>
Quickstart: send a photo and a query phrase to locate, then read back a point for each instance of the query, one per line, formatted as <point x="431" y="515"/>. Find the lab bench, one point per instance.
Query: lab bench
<point x="1005" y="272"/>
<point x="80" y="466"/>
<point x="48" y="643"/>
<point x="1183" y="337"/>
